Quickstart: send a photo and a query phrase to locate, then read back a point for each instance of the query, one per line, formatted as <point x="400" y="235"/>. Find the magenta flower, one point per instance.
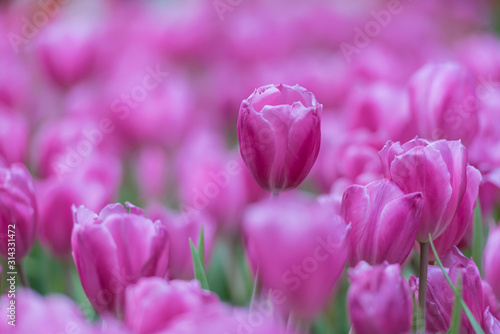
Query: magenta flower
<point x="153" y="304"/>
<point x="464" y="216"/>
<point x="443" y="103"/>
<point x="18" y="211"/>
<point x="384" y="222"/>
<point x="440" y="296"/>
<point x="279" y="134"/>
<point x="379" y="300"/>
<point x="115" y="249"/>
<point x="437" y="170"/>
<point x="299" y="249"/>
<point x="491" y="261"/>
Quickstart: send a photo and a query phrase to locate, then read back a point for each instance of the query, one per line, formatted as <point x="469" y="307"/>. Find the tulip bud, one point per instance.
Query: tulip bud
<point x="379" y="300"/>
<point x="463" y="218"/>
<point x="440" y="296"/>
<point x="180" y="229"/>
<point x="384" y="222"/>
<point x="153" y="303"/>
<point x="491" y="261"/>
<point x="115" y="249"/>
<point x="299" y="250"/>
<point x="437" y="170"/>
<point x="279" y="134"/>
<point x="443" y="103"/>
<point x="18" y="211"/>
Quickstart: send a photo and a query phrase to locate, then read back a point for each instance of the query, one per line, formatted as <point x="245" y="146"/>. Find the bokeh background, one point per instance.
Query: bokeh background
<point x="138" y="101"/>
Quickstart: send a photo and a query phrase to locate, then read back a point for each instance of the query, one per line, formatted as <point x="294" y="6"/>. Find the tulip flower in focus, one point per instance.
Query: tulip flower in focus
<point x="491" y="261"/>
<point x="437" y="170"/>
<point x="115" y="249"/>
<point x="18" y="211"/>
<point x="299" y="249"/>
<point x="279" y="134"/>
<point x="379" y="300"/>
<point x="440" y="296"/>
<point x="464" y="216"/>
<point x="384" y="222"/>
<point x="153" y="303"/>
<point x="443" y="103"/>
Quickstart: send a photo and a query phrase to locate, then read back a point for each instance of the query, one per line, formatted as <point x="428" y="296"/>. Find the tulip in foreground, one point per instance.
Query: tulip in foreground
<point x="115" y="249"/>
<point x="18" y="211"/>
<point x="379" y="300"/>
<point x="384" y="222"/>
<point x="298" y="247"/>
<point x="279" y="134"/>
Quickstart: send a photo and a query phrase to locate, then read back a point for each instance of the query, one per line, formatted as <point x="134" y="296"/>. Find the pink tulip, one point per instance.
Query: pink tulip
<point x="94" y="184"/>
<point x="491" y="323"/>
<point x="440" y="297"/>
<point x="490" y="300"/>
<point x="298" y="248"/>
<point x="180" y="229"/>
<point x="491" y="261"/>
<point x="18" y="211"/>
<point x="464" y="216"/>
<point x="115" y="249"/>
<point x="437" y="170"/>
<point x="379" y="300"/>
<point x="384" y="222"/>
<point x="153" y="304"/>
<point x="443" y="103"/>
<point x="279" y="134"/>
<point x="41" y="314"/>
<point x="13" y="136"/>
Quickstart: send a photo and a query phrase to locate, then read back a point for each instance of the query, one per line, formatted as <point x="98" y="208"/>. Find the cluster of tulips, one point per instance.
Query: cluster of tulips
<point x="356" y="190"/>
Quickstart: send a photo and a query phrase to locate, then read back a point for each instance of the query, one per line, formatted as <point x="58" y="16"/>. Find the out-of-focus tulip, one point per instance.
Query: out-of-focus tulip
<point x="152" y="169"/>
<point x="180" y="229"/>
<point x="490" y="300"/>
<point x="437" y="170"/>
<point x="13" y="136"/>
<point x="18" y="211"/>
<point x="491" y="323"/>
<point x="153" y="303"/>
<point x="443" y="103"/>
<point x="211" y="181"/>
<point x="223" y="319"/>
<point x="279" y="134"/>
<point x="440" y="296"/>
<point x="384" y="222"/>
<point x="379" y="300"/>
<point x="298" y="248"/>
<point x="93" y="184"/>
<point x="33" y="313"/>
<point x="491" y="261"/>
<point x="463" y="218"/>
<point x="115" y="249"/>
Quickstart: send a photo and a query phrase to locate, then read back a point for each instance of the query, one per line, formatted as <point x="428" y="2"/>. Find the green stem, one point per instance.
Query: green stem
<point x="422" y="285"/>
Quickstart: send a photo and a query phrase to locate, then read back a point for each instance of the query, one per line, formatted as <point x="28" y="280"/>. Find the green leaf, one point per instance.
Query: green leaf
<point x="201" y="247"/>
<point x="457" y="310"/>
<point x="199" y="272"/>
<point x="478" y="241"/>
<point x="466" y="309"/>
